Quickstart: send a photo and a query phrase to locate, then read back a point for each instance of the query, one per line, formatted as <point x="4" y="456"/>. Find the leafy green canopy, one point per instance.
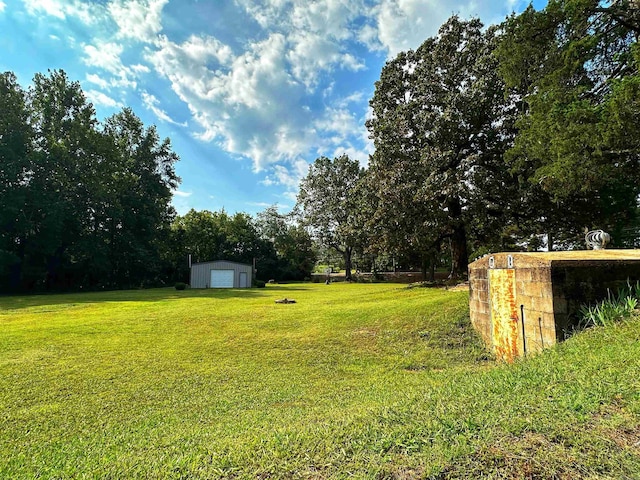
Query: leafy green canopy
<point x="574" y="67"/>
<point x="441" y="123"/>
<point x="331" y="202"/>
<point x="282" y="250"/>
<point x="81" y="204"/>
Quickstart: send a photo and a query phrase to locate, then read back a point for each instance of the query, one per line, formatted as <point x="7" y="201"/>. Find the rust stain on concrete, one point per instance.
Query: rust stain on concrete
<point x="504" y="313"/>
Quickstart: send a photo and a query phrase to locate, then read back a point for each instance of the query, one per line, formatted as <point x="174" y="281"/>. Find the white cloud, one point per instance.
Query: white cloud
<point x="138" y="68"/>
<point x="107" y="56"/>
<point x="87" y="13"/>
<point x="317" y="33"/>
<point x="138" y="19"/>
<point x="152" y="103"/>
<point x="311" y="54"/>
<point x="54" y="8"/>
<point x="405" y="24"/>
<point x="97" y="80"/>
<point x="2" y="6"/>
<point x="398" y="25"/>
<point x="179" y="193"/>
<point x="291" y="195"/>
<point x="104" y="55"/>
<point x="288" y="176"/>
<point x="249" y="104"/>
<point x="99" y="98"/>
<point x="256" y="102"/>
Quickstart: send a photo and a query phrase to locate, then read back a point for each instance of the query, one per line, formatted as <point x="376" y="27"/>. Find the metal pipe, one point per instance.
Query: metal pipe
<point x="541" y="335"/>
<point x="524" y="338"/>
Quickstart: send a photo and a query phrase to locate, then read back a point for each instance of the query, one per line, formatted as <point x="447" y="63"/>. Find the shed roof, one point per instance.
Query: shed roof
<point x="223" y="261"/>
<point x="563" y="258"/>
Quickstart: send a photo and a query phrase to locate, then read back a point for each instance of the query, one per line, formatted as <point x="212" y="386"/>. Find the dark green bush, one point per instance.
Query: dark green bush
<point x="180" y="285"/>
<point x="259" y="283"/>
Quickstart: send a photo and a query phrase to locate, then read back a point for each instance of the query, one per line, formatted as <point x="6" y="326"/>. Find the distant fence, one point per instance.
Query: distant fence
<point x="394" y="277"/>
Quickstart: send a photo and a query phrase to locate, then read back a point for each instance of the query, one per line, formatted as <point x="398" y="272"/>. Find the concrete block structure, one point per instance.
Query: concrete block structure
<point x="522" y="302"/>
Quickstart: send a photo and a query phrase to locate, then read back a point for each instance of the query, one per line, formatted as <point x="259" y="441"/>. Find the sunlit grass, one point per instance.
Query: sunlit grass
<point x="353" y="380"/>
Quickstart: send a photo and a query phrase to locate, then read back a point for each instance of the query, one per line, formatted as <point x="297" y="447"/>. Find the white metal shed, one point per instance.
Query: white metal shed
<point x="221" y="274"/>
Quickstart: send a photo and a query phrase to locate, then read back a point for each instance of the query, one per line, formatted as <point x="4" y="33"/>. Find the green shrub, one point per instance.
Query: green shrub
<point x="259" y="283"/>
<point x="180" y="285"/>
<point x="613" y="308"/>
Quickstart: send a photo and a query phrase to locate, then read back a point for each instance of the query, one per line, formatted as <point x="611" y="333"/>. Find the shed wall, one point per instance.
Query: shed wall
<point x="201" y="273"/>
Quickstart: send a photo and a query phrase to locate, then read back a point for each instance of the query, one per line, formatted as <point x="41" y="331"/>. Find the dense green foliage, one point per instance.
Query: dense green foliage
<point x="82" y="204"/>
<point x="331" y="203"/>
<point x="512" y="137"/>
<point x="614" y="308"/>
<point x="441" y="124"/>
<point x="574" y="68"/>
<point x="295" y="253"/>
<point x="357" y="381"/>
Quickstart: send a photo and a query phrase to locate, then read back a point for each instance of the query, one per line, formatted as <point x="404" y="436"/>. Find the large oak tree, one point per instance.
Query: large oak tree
<point x="441" y="123"/>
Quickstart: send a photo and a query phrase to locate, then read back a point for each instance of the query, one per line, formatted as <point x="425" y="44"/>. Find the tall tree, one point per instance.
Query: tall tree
<point x="63" y="164"/>
<point x="139" y="199"/>
<point x="330" y="204"/>
<point x="440" y="125"/>
<point x="574" y="66"/>
<point x="15" y="175"/>
<point x="81" y="206"/>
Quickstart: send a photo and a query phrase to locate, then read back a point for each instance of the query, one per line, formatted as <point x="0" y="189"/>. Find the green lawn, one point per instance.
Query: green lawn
<point x="353" y="381"/>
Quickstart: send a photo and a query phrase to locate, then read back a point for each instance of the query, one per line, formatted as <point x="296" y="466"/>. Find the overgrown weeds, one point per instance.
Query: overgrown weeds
<point x="614" y="308"/>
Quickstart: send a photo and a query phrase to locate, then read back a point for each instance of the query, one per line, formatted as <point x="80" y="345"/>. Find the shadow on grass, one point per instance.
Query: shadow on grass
<point x="148" y="295"/>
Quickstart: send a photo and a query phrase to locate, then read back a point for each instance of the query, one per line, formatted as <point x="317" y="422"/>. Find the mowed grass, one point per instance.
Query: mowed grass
<point x="352" y="381"/>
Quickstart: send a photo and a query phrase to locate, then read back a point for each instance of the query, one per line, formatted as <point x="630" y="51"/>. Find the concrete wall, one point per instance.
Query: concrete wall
<point x="542" y="293"/>
<point x="534" y="293"/>
<point x="201" y="273"/>
<point x="479" y="300"/>
<point x="529" y="292"/>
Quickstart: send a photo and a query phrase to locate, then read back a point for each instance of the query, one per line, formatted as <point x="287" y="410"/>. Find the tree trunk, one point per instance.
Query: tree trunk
<point x="458" y="241"/>
<point x="432" y="271"/>
<point x="347" y="264"/>
<point x="459" y="256"/>
<point x="428" y="268"/>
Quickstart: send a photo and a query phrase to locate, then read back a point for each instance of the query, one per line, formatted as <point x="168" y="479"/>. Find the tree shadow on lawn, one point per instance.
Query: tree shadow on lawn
<point x="9" y="303"/>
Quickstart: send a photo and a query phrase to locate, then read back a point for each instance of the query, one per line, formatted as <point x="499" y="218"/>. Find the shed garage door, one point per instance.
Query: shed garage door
<point x="221" y="279"/>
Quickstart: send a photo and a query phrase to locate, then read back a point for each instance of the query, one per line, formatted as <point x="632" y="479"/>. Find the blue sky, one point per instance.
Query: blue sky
<point x="249" y="91"/>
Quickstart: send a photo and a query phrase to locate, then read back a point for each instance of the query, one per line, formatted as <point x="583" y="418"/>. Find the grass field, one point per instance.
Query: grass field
<point x="352" y="381"/>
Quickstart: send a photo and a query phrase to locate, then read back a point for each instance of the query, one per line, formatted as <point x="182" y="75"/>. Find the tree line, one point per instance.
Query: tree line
<point x="512" y="137"/>
<point x="87" y="204"/>
<point x="82" y="203"/>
